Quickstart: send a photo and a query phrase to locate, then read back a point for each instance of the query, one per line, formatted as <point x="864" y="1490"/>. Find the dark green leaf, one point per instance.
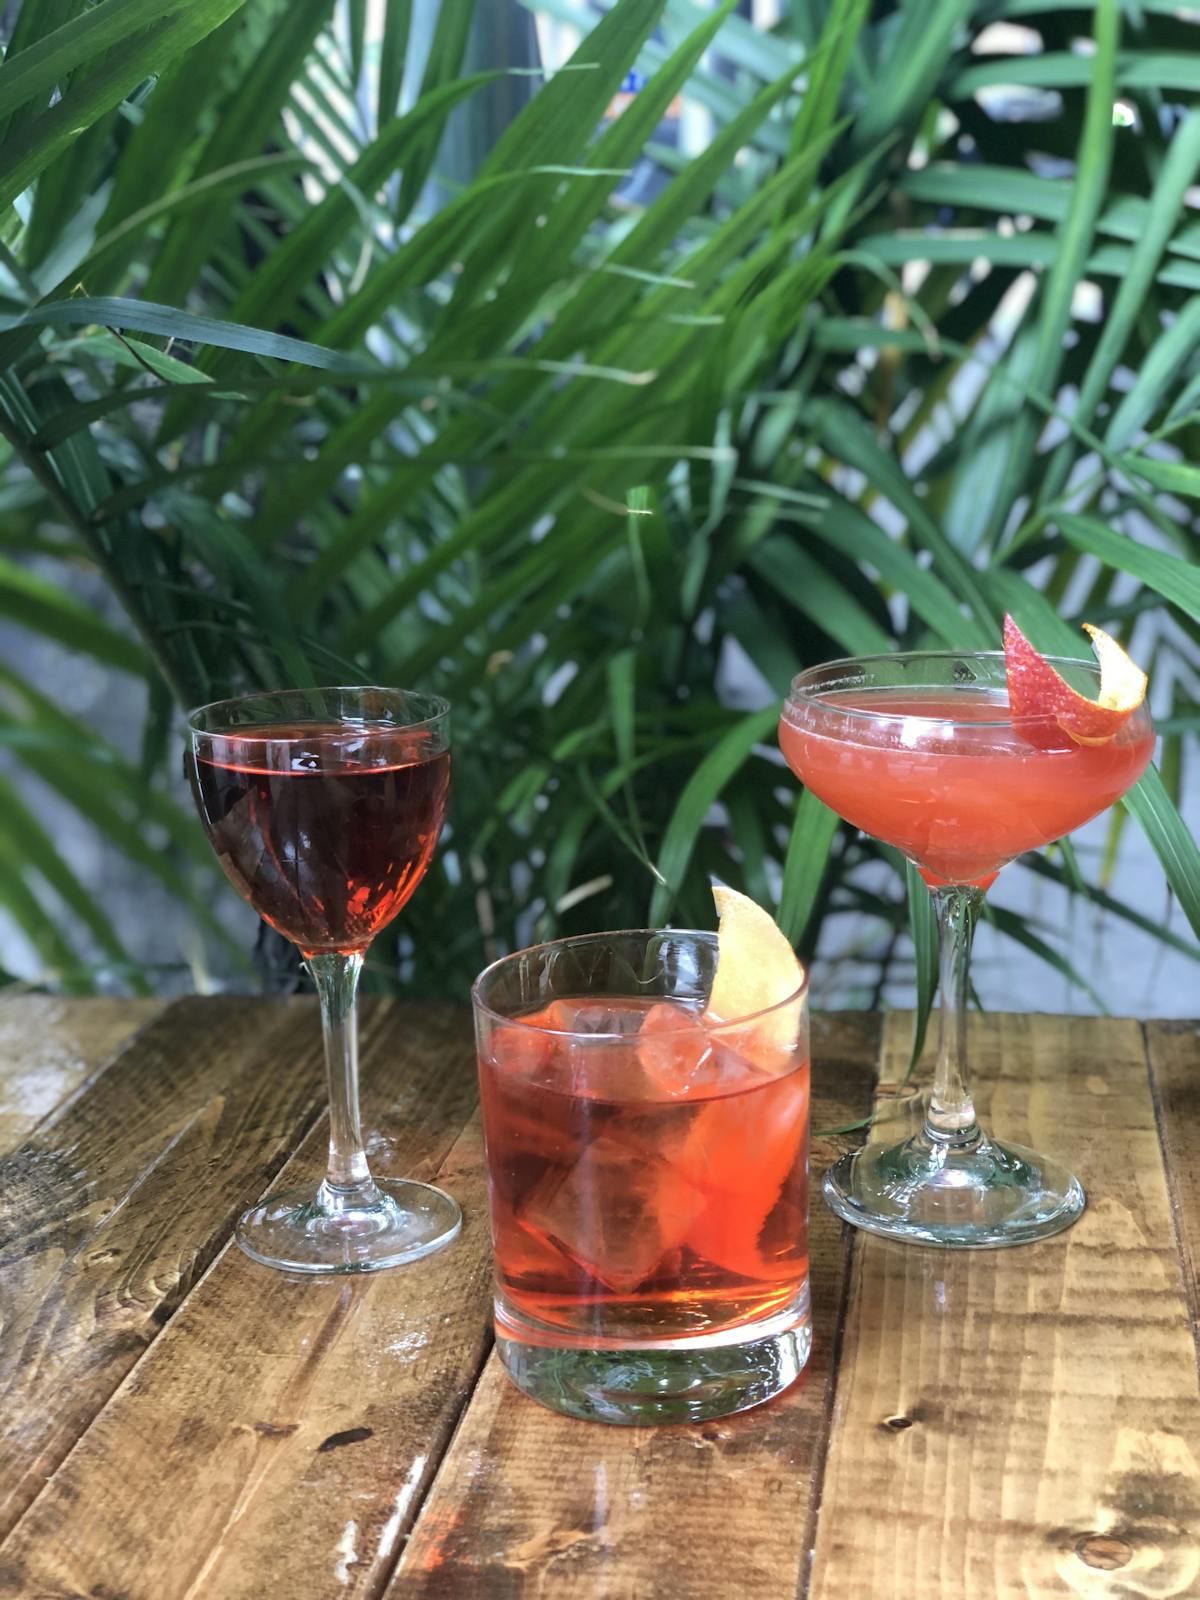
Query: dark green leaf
<point x="171" y="323"/>
<point x="1177" y="581"/>
<point x="719" y="767"/>
<point x="1174" y="846"/>
<point x="923" y="928"/>
<point x="124" y="66"/>
<point x="35" y="602"/>
<point x="805" y="864"/>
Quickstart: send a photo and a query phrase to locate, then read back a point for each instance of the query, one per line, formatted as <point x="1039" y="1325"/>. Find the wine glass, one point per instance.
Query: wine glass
<point x="324" y="807"/>
<point x="920" y="750"/>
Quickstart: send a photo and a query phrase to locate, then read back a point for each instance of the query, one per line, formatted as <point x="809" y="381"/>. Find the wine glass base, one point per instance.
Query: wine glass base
<point x="292" y="1231"/>
<point x="980" y="1195"/>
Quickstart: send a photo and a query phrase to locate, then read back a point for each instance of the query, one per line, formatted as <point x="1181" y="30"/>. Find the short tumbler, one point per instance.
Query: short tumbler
<point x="648" y="1177"/>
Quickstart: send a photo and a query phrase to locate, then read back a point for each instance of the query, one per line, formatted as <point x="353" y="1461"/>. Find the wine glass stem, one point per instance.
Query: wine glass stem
<point x="950" y="1117"/>
<point x="348" y="1183"/>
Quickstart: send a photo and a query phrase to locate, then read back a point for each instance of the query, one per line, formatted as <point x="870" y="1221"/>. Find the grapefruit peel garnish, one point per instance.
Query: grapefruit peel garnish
<point x="757" y="970"/>
<point x="1040" y="699"/>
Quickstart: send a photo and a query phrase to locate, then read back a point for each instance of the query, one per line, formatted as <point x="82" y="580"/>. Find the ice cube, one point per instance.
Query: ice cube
<point x="585" y="1014"/>
<point x="617" y="1212"/>
<point x="568" y="1016"/>
<point x="678" y="1056"/>
<point x="556" y="1047"/>
<point x="535" y="1046"/>
<point x="595" y="1014"/>
<point x="774" y="1051"/>
<point x="612" y="1072"/>
<point x="523" y="1253"/>
<point x="518" y="1052"/>
<point x="597" y="1068"/>
<point x="736" y="1140"/>
<point x="522" y="1117"/>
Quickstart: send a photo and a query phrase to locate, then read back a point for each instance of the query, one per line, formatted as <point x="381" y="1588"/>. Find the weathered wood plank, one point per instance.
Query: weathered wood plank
<point x="1174" y="1051"/>
<point x="1025" y="1422"/>
<point x="532" y="1504"/>
<point x="50" y="1046"/>
<point x="278" y="1436"/>
<point x="111" y="1209"/>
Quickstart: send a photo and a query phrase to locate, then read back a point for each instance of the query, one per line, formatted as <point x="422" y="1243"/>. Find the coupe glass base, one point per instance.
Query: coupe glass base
<point x="976" y="1195"/>
<point x="293" y="1231"/>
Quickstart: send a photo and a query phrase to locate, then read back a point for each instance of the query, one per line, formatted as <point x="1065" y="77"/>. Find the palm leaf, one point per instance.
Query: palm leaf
<point x="1150" y="803"/>
<point x="805" y="864"/>
<point x="138" y="51"/>
<point x="444" y="399"/>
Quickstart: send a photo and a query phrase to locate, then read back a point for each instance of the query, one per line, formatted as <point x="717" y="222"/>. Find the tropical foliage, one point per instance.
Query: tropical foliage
<point x="911" y="342"/>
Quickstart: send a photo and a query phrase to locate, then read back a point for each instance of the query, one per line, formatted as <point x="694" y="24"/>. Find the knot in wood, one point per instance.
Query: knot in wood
<point x="336" y="1441"/>
<point x="1104" y="1550"/>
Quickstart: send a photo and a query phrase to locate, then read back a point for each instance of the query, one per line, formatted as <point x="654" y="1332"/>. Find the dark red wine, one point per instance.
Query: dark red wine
<point x="325" y="828"/>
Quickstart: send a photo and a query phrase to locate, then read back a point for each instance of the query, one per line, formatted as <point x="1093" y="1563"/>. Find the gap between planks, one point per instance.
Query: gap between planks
<point x="1173" y="1062"/>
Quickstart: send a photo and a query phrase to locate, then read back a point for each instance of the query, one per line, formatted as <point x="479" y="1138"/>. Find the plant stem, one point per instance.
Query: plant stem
<point x="348" y="1183"/>
<point x="950" y="1117"/>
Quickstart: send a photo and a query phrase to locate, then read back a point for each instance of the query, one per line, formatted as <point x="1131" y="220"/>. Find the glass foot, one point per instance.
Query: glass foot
<point x="296" y="1233"/>
<point x="976" y="1195"/>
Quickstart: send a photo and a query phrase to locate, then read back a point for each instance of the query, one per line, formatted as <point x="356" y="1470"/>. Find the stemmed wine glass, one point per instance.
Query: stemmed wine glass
<point x="920" y="750"/>
<point x="324" y="807"/>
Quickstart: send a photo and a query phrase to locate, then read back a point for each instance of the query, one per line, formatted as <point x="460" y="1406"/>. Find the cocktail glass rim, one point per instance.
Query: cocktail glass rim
<point x="705" y="935"/>
<point x="801" y="689"/>
<point x="438" y="709"/>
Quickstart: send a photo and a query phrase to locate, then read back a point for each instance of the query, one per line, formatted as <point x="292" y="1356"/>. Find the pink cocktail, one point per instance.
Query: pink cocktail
<point x="657" y="1182"/>
<point x="921" y="750"/>
<point x="944" y="776"/>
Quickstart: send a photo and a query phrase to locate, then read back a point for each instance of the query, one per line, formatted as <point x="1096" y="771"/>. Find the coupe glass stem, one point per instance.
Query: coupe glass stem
<point x="950" y="1117"/>
<point x="348" y="1182"/>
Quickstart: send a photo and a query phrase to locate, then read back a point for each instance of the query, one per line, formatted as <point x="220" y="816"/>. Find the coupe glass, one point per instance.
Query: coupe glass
<point x="921" y="751"/>
<point x="324" y="807"/>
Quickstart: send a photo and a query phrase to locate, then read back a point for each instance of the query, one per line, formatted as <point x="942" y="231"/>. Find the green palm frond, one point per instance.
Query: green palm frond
<point x="883" y="360"/>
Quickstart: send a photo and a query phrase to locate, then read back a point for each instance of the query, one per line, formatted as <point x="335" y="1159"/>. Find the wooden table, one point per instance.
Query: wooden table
<point x="180" y="1424"/>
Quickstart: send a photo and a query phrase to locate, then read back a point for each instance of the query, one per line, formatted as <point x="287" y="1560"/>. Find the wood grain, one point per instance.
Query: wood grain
<point x="111" y="1209"/>
<point x="277" y="1438"/>
<point x="1006" y="1424"/>
<point x="529" y="1503"/>
<point x="1174" y="1052"/>
<point x="1025" y="1422"/>
<point x="49" y="1047"/>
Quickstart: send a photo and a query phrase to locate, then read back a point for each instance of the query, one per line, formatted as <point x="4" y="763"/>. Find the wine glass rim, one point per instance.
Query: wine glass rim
<point x="802" y="693"/>
<point x="440" y="707"/>
<point x="796" y="996"/>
